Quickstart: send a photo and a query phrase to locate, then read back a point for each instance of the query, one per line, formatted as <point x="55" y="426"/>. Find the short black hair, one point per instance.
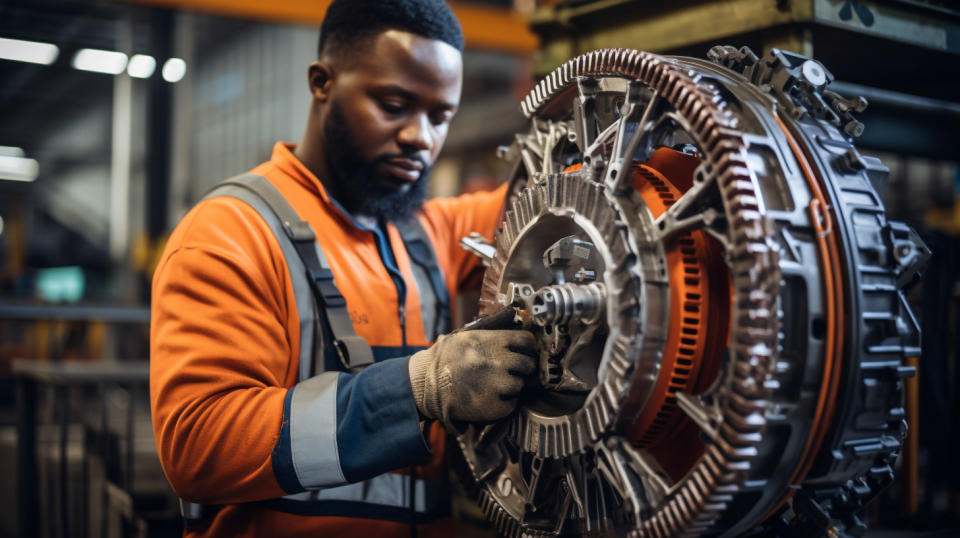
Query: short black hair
<point x="349" y="22"/>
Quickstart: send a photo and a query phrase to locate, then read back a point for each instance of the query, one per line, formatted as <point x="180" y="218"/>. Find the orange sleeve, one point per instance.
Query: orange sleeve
<point x="220" y="354"/>
<point x="450" y="219"/>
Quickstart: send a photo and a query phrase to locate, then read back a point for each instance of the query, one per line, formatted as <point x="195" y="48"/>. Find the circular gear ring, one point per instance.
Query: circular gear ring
<point x="712" y="326"/>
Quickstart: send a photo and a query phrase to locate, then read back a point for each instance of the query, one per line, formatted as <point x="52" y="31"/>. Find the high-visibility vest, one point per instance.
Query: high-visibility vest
<point x="328" y="343"/>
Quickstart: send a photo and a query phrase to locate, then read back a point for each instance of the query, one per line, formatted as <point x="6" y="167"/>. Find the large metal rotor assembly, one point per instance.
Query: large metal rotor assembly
<point x="717" y="295"/>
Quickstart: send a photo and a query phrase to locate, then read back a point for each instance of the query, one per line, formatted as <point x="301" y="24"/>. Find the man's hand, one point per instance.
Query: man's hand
<point x="473" y="375"/>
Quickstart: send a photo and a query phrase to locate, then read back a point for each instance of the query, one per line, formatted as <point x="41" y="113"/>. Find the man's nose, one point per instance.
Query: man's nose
<point x="416" y="134"/>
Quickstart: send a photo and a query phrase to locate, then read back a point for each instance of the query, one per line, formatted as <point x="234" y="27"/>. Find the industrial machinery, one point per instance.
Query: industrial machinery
<point x="703" y="255"/>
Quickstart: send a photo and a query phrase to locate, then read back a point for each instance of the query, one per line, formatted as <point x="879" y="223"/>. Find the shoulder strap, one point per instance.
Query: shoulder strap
<point x="428" y="274"/>
<point x="312" y="282"/>
<point x="354" y="352"/>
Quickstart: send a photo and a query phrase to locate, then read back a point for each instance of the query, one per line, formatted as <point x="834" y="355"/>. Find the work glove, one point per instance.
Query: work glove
<point x="472" y="375"/>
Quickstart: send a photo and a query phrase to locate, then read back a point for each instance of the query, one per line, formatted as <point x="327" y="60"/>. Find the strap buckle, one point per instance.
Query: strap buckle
<point x="342" y="353"/>
<point x="327" y="291"/>
<point x="299" y="231"/>
<point x="360" y="359"/>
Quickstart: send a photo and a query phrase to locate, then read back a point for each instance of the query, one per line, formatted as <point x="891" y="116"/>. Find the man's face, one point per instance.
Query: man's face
<point x="386" y="120"/>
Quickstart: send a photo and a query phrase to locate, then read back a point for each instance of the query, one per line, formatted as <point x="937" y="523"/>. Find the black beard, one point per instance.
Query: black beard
<point x="357" y="187"/>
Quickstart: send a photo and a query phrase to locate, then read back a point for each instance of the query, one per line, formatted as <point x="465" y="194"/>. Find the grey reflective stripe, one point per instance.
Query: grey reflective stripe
<point x="431" y="283"/>
<point x="301" y="288"/>
<point x="313" y="432"/>
<point x="191" y="511"/>
<point x="428" y="299"/>
<point x="388" y="489"/>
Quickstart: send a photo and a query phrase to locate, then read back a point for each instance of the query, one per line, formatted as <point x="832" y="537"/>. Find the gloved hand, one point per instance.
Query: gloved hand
<point x="472" y="375"/>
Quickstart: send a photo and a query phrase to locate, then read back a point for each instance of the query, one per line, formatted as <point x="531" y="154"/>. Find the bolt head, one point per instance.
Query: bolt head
<point x="814" y="73"/>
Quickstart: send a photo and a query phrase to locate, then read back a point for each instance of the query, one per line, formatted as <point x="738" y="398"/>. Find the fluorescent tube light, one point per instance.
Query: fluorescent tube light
<point x="100" y="61"/>
<point x="28" y="51"/>
<point x="174" y="69"/>
<point x="11" y="151"/>
<point x="18" y="168"/>
<point x="141" y="66"/>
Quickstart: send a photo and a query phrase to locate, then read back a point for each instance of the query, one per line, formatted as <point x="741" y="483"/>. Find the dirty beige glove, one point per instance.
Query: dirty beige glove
<point x="472" y="376"/>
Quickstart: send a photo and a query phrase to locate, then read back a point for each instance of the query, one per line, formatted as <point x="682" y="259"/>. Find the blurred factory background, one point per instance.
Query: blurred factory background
<point x="116" y="116"/>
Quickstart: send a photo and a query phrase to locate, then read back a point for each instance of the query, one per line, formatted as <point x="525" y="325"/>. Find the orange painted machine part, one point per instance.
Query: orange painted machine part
<point x="679" y="449"/>
<point x="699" y="317"/>
<point x="836" y="319"/>
<point x="484" y="27"/>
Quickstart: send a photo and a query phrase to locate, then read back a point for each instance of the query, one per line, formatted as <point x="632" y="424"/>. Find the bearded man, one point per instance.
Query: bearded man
<point x="294" y="387"/>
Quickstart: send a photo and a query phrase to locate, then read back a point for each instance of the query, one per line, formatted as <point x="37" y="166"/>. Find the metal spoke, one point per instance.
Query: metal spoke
<point x="695" y="209"/>
<point x="616" y="469"/>
<point x="597" y="148"/>
<point x="530" y="153"/>
<point x="706" y="417"/>
<point x="585" y="125"/>
<point x="565" y="505"/>
<point x="556" y="132"/>
<point x="656" y="483"/>
<point x="573" y="486"/>
<point x="655" y="108"/>
<point x="628" y="133"/>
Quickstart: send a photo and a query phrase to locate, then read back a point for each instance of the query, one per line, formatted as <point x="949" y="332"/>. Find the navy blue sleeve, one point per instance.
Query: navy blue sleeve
<point x="378" y="426"/>
<point x="283" y="453"/>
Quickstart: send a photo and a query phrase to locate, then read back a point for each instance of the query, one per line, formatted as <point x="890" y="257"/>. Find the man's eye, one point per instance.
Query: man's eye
<point x="391" y="107"/>
<point x="441" y="118"/>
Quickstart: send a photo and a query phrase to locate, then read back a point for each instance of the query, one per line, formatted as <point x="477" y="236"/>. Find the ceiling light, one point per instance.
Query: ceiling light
<point x="100" y="61"/>
<point x="28" y="51"/>
<point x="11" y="151"/>
<point x="18" y="168"/>
<point x="141" y="66"/>
<point x="174" y="69"/>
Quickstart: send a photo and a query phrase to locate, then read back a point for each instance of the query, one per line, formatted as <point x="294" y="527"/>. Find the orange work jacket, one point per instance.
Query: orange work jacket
<point x="224" y="362"/>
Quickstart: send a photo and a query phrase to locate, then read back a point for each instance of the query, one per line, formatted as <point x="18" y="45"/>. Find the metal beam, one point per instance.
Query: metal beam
<point x="897" y="99"/>
<point x="75" y="312"/>
<point x="569" y="30"/>
<point x="484" y="27"/>
<point x="159" y="130"/>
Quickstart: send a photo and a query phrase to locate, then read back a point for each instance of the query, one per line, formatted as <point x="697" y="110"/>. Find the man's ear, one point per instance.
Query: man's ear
<point x="320" y="77"/>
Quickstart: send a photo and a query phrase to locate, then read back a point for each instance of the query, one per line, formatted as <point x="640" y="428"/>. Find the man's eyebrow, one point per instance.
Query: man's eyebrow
<point x="396" y="89"/>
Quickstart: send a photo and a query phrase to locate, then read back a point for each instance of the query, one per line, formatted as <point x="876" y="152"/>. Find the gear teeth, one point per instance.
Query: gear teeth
<point x="512" y="227"/>
<point x="523" y="207"/>
<point x="623" y="62"/>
